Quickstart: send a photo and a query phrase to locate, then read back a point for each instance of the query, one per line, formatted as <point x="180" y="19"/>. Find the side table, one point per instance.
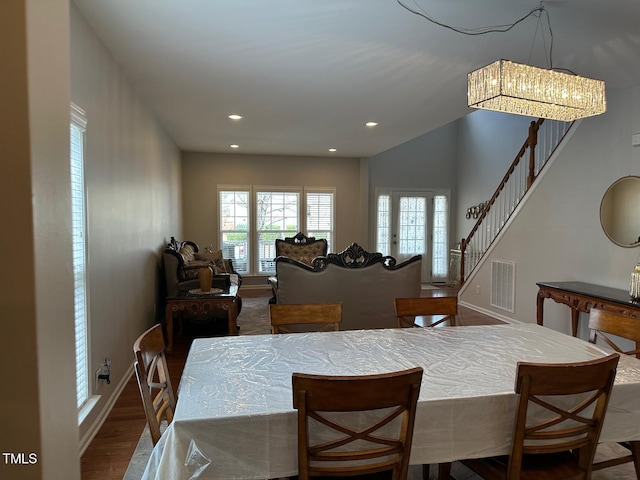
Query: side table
<point x="202" y="303"/>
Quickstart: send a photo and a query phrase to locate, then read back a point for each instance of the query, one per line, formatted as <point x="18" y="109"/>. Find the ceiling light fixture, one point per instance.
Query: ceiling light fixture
<point x="371" y="124"/>
<point x="510" y="87"/>
<point x="235" y="117"/>
<point x="233" y="145"/>
<point x="333" y="149"/>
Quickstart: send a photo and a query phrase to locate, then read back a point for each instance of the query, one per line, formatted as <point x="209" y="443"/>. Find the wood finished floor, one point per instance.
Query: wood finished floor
<point x="108" y="455"/>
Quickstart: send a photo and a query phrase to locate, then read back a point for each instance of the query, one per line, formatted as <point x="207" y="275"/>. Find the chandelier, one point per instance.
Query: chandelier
<point x="519" y="89"/>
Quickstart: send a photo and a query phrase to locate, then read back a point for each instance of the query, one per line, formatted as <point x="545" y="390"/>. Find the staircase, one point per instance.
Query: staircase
<point x="542" y="140"/>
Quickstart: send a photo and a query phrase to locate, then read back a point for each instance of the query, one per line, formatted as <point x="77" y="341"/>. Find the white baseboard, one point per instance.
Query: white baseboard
<point x="93" y="430"/>
<point x="489" y="313"/>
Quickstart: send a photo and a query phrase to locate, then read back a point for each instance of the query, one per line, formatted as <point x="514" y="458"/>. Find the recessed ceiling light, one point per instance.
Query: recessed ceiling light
<point x="233" y="145"/>
<point x="235" y="117"/>
<point x="333" y="149"/>
<point x="371" y="124"/>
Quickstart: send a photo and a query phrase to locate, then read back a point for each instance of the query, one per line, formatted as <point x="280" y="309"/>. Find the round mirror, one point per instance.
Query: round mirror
<point x="620" y="212"/>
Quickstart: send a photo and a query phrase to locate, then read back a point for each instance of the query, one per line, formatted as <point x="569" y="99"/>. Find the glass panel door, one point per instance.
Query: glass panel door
<point x="409" y="237"/>
<point x="415" y="223"/>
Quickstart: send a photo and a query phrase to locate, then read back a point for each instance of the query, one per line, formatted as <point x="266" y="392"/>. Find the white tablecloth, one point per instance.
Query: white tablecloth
<point x="235" y="419"/>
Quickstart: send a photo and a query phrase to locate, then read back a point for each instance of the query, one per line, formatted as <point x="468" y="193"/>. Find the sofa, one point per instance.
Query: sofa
<point x="183" y="260"/>
<point x="365" y="283"/>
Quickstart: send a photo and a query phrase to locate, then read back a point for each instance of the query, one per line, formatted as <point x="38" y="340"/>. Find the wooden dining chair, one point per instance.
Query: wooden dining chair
<point x="604" y="324"/>
<point x="153" y="380"/>
<point x="376" y="443"/>
<point x="319" y="317"/>
<point x="410" y="312"/>
<point x="559" y="415"/>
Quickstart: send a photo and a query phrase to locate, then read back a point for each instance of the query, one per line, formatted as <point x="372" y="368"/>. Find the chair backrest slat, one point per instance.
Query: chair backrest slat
<point x="382" y="444"/>
<point x="313" y="316"/>
<point x="407" y="309"/>
<point x="603" y="323"/>
<point x="153" y="378"/>
<point x="574" y="397"/>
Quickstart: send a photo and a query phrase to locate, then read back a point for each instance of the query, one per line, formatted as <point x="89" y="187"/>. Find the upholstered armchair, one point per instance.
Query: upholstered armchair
<point x="300" y="248"/>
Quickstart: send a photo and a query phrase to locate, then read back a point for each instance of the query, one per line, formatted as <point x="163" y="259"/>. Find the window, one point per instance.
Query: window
<point x="251" y="219"/>
<point x="439" y="266"/>
<point x="234" y="227"/>
<point x="319" y="216"/>
<point x="383" y="226"/>
<point x="277" y="217"/>
<point x="79" y="238"/>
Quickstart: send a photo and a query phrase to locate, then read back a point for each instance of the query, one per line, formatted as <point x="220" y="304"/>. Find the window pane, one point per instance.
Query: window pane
<point x="79" y="263"/>
<point x="439" y="262"/>
<point x="234" y="227"/>
<point x="319" y="218"/>
<point x="277" y="217"/>
<point x="383" y="230"/>
<point x="413" y="217"/>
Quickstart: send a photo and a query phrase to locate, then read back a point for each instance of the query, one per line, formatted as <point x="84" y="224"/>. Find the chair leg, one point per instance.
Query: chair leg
<point x="425" y="471"/>
<point x="444" y="471"/>
<point x="635" y="451"/>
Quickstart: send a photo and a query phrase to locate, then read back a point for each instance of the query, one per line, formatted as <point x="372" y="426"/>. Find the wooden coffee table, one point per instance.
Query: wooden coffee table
<point x="202" y="304"/>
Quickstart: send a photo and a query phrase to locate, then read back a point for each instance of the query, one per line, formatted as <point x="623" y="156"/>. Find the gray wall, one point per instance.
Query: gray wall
<point x="557" y="234"/>
<point x="487" y="145"/>
<point x="424" y="163"/>
<point x="203" y="172"/>
<point x="133" y="184"/>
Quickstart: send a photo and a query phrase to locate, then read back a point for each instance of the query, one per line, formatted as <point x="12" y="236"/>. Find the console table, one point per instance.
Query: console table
<point x="581" y="297"/>
<point x="203" y="303"/>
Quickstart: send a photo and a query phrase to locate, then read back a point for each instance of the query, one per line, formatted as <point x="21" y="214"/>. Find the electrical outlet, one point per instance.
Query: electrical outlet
<point x="97" y="378"/>
<point x="104" y="372"/>
<point x="477" y="289"/>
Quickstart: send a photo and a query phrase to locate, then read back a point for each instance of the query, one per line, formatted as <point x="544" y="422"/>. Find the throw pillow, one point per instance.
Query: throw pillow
<point x="187" y="253"/>
<point x="213" y="257"/>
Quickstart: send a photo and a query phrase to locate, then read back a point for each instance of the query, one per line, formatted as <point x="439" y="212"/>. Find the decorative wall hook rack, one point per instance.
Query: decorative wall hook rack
<point x="475" y="210"/>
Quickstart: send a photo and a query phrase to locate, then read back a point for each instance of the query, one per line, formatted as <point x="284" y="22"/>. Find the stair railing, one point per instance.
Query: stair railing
<point x="542" y="140"/>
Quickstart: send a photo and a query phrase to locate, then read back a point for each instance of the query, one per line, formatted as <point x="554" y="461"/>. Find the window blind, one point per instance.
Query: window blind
<point x="78" y="224"/>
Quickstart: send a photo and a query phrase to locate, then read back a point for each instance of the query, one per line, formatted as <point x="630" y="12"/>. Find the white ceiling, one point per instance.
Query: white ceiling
<point x="307" y="74"/>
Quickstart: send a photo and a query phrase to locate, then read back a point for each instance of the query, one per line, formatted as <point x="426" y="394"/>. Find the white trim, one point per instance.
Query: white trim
<point x="94" y="428"/>
<point x="78" y="116"/>
<point x="489" y="313"/>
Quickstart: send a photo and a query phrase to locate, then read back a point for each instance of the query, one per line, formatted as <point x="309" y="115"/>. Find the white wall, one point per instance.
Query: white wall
<point x="133" y="183"/>
<point x="37" y="405"/>
<point x="557" y="235"/>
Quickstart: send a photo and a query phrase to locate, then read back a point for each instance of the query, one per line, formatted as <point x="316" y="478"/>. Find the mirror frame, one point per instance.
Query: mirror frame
<point x="610" y="202"/>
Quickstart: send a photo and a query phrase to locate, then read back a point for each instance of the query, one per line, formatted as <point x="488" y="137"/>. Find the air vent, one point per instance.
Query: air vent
<point x="503" y="284"/>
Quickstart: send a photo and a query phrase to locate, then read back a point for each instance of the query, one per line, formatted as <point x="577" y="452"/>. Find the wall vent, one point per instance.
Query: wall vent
<point x="503" y="285"/>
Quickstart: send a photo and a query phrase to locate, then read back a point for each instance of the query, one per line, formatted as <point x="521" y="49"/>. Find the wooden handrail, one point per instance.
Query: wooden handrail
<point x="530" y="143"/>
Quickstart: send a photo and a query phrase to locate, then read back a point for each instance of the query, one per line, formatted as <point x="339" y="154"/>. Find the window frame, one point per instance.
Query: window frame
<point x="320" y="190"/>
<point x="253" y="238"/>
<point x="78" y="121"/>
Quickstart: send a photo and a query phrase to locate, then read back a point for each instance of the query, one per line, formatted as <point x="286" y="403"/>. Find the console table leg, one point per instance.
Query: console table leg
<point x="540" y="307"/>
<point x="575" y="317"/>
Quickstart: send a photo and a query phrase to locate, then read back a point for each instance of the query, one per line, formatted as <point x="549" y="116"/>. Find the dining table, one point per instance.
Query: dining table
<point x="235" y="418"/>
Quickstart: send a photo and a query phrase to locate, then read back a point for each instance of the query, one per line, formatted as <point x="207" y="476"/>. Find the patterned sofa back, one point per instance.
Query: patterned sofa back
<point x="365" y="283"/>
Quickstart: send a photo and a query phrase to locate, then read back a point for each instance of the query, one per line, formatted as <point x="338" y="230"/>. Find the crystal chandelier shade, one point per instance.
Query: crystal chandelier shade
<point x="511" y="87"/>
